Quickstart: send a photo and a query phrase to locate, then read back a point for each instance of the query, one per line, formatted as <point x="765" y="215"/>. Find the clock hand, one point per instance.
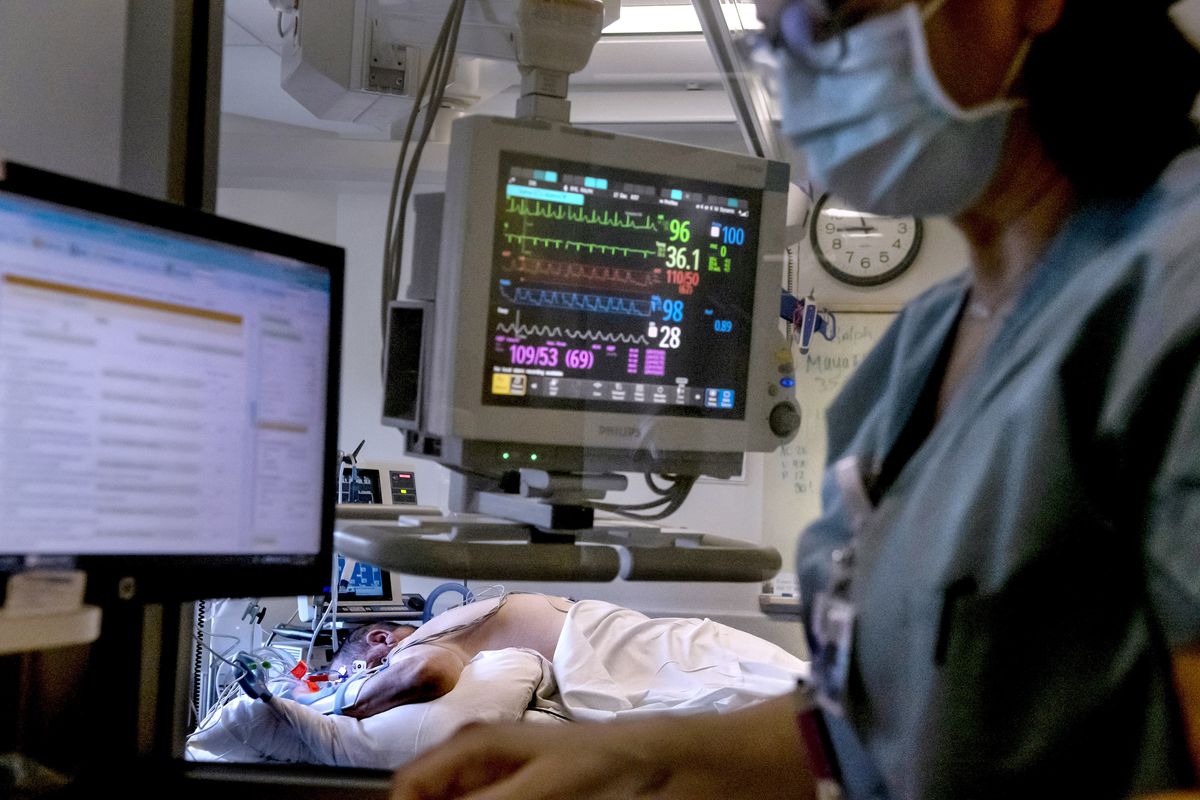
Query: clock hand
<point x="865" y="228"/>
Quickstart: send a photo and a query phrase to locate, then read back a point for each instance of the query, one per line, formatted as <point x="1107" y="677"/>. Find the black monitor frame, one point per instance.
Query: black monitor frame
<point x="183" y="578"/>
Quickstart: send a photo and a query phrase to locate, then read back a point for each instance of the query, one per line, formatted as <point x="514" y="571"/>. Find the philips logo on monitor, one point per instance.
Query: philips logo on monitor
<point x="622" y="432"/>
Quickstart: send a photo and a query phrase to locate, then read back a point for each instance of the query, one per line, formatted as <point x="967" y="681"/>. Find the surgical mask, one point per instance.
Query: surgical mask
<point x="878" y="130"/>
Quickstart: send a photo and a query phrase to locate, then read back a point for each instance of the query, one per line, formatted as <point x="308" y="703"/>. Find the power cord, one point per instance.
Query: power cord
<point x="671" y="497"/>
<point x="441" y="64"/>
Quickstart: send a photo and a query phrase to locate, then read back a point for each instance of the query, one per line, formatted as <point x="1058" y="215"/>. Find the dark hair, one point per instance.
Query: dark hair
<point x="356" y="644"/>
<point x="1111" y="90"/>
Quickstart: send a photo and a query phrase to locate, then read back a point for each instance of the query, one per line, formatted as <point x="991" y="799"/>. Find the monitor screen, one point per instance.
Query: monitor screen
<point x="166" y="385"/>
<point x="365" y="582"/>
<point x="360" y="486"/>
<point x="620" y="290"/>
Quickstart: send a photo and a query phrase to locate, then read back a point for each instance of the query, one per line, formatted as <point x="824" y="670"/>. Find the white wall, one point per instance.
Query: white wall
<point x="61" y="85"/>
<point x="311" y="214"/>
<point x="361" y="221"/>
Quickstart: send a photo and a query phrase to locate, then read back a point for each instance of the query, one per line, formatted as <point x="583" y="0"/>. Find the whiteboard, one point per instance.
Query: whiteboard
<point x="792" y="474"/>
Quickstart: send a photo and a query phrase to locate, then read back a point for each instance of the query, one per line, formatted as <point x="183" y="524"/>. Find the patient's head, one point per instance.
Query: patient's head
<point x="371" y="643"/>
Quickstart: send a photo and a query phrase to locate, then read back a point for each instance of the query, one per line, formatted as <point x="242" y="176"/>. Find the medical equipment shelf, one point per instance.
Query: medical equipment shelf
<point x="472" y="546"/>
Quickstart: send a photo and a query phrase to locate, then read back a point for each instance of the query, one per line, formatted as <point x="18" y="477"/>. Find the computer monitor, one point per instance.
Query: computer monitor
<point x="604" y="303"/>
<point x="168" y="386"/>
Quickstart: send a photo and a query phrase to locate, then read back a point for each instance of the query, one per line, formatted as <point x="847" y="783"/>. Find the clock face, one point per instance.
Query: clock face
<point x="863" y="249"/>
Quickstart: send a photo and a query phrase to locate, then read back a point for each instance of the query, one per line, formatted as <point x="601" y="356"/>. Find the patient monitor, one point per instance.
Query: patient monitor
<point x="596" y="304"/>
<point x="603" y="303"/>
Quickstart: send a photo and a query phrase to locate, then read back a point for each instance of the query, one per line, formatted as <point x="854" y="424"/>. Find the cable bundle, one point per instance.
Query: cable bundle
<point x="429" y="98"/>
<point x="671" y="497"/>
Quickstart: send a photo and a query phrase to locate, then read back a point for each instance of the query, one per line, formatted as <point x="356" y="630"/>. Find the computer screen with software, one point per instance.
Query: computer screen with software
<point x="167" y="393"/>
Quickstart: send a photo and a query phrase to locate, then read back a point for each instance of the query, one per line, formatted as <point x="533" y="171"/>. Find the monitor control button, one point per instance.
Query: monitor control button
<point x="784" y="419"/>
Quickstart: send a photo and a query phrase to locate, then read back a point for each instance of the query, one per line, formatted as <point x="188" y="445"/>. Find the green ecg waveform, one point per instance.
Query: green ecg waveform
<point x="589" y="217"/>
<point x="580" y="247"/>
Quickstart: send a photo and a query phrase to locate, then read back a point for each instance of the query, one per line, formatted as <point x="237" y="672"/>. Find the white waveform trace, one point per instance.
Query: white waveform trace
<point x="516" y="328"/>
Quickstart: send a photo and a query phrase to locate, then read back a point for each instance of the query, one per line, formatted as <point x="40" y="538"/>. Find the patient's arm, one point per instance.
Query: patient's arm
<point x="751" y="754"/>
<point x="416" y="674"/>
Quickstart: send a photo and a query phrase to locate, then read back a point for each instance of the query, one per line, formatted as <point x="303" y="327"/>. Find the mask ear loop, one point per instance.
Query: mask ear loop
<point x="1015" y="68"/>
<point x="928" y="11"/>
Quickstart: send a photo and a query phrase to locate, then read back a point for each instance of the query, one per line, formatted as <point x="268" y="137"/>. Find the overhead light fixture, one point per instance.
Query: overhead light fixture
<point x="678" y="19"/>
<point x="847" y="213"/>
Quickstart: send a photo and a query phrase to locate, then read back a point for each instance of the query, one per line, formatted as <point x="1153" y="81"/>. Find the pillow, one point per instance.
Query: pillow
<point x="495" y="686"/>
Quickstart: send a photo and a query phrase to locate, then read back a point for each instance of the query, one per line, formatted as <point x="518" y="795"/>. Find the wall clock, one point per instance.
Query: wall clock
<point x="863" y="249"/>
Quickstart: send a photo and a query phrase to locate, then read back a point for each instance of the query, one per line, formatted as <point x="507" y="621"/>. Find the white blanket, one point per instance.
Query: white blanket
<point x="495" y="687"/>
<point x="614" y="662"/>
<point x="610" y="662"/>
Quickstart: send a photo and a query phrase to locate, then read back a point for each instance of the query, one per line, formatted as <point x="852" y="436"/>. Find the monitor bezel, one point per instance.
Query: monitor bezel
<point x="136" y="578"/>
<point x="454" y="392"/>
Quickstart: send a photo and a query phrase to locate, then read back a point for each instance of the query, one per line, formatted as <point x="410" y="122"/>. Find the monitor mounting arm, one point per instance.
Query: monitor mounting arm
<point x="547" y="532"/>
<point x="553" y="39"/>
<point x="547" y="501"/>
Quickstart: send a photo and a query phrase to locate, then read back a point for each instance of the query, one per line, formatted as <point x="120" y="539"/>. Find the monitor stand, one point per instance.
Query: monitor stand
<point x="541" y="527"/>
<point x="550" y="501"/>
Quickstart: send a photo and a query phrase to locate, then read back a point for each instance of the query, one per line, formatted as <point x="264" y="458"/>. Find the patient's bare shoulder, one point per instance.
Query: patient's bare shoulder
<point x="536" y="606"/>
<point x="417" y="674"/>
<point x="531" y="621"/>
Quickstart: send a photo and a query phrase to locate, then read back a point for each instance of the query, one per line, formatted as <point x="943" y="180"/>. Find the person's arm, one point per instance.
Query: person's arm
<point x="754" y="753"/>
<point x="416" y="674"/>
<point x="1186" y="663"/>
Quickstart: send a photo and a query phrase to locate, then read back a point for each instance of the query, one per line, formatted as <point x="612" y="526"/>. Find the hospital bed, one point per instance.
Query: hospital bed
<point x="610" y="663"/>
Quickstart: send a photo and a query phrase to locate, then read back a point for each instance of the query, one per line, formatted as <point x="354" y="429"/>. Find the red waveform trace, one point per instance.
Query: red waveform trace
<point x="570" y="273"/>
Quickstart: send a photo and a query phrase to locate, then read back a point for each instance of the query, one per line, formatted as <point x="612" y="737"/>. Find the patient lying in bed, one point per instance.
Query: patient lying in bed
<point x="425" y="663"/>
<point x="523" y="657"/>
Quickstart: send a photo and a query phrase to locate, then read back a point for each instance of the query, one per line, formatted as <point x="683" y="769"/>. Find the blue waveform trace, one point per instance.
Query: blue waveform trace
<point x="578" y="301"/>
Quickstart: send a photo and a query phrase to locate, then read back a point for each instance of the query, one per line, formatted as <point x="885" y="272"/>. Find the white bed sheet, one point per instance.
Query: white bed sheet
<point x="610" y="662"/>
<point x="497" y="686"/>
<point x="614" y="662"/>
